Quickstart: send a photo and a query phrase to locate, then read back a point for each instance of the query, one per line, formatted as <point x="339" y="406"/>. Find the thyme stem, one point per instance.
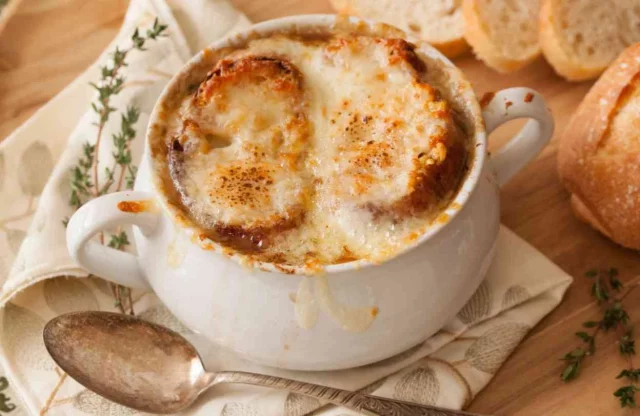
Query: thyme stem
<point x="605" y="289"/>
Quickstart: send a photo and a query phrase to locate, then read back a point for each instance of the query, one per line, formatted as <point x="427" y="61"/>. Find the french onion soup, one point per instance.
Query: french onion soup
<point x="313" y="149"/>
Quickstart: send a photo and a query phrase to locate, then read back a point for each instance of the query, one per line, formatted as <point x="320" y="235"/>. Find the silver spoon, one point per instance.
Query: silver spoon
<point x="150" y="368"/>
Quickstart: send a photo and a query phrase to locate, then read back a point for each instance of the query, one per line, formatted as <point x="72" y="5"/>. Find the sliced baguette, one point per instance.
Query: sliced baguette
<point x="438" y="22"/>
<point x="580" y="38"/>
<point x="599" y="155"/>
<point x="503" y="33"/>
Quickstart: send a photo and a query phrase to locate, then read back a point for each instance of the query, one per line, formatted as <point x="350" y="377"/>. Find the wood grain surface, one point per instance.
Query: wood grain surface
<point x="47" y="43"/>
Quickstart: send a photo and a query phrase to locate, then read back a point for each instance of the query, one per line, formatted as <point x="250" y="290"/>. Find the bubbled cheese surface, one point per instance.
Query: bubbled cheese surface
<point x="316" y="151"/>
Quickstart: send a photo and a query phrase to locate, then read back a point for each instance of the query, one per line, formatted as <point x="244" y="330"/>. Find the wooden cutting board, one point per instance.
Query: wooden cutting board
<point x="48" y="43"/>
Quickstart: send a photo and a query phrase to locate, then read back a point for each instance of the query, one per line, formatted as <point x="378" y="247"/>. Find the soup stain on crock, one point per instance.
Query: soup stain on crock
<point x="136" y="207"/>
<point x="305" y="306"/>
<point x="351" y="319"/>
<point x="177" y="249"/>
<point x="314" y="295"/>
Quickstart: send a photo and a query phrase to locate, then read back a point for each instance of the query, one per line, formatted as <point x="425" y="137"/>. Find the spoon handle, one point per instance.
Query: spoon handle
<point x="360" y="402"/>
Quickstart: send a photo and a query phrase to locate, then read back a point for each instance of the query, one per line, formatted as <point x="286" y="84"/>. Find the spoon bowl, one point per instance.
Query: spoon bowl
<point x="150" y="368"/>
<point x="129" y="361"/>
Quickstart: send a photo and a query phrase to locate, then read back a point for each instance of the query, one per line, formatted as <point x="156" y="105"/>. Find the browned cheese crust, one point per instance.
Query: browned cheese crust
<point x="248" y="179"/>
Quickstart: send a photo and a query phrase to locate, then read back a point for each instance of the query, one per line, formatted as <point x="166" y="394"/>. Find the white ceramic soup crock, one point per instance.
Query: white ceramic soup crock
<point x="353" y="314"/>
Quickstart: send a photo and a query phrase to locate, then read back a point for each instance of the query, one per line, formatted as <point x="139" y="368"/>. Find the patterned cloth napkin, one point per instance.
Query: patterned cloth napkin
<point x="39" y="279"/>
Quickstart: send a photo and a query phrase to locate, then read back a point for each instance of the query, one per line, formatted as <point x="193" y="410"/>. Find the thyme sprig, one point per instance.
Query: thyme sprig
<point x="122" y="152"/>
<point x="85" y="183"/>
<point x="85" y="180"/>
<point x="627" y="393"/>
<point x="606" y="290"/>
<point x="81" y="182"/>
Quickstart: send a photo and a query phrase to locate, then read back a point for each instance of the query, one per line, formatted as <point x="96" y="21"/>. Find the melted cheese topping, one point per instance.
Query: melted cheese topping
<point x="323" y="151"/>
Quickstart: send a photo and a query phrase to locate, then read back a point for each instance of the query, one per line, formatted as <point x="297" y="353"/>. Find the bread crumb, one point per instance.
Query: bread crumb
<point x="528" y="98"/>
<point x="508" y="104"/>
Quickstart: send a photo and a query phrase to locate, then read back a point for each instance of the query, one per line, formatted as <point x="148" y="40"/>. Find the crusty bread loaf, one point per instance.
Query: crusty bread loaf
<point x="504" y="34"/>
<point x="580" y="38"/>
<point x="438" y="22"/>
<point x="599" y="158"/>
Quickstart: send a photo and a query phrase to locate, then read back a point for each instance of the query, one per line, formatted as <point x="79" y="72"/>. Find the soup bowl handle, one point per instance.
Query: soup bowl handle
<point x="107" y="213"/>
<point x="511" y="104"/>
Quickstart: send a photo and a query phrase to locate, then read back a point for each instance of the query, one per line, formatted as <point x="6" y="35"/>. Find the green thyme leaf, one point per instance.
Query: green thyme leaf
<point x="571" y="371"/>
<point x="627" y="345"/>
<point x="591" y="273"/>
<point x="630" y="374"/>
<point x="627" y="395"/>
<point x="119" y="241"/>
<point x="583" y="336"/>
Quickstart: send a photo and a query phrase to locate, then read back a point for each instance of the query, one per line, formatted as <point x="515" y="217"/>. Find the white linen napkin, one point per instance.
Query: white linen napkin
<point x="448" y="369"/>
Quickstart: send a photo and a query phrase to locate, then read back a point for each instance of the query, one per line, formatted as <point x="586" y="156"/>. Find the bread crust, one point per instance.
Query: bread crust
<point x="565" y="65"/>
<point x="605" y="188"/>
<point x="451" y="48"/>
<point x="483" y="46"/>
